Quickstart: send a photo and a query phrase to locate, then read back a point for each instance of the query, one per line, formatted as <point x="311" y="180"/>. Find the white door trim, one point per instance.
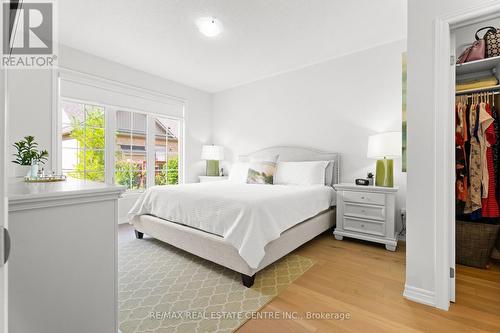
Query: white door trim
<point x="444" y="91"/>
<point x="4" y="291"/>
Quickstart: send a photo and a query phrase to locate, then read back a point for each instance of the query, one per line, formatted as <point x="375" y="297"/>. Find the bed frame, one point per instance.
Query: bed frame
<point x="216" y="249"/>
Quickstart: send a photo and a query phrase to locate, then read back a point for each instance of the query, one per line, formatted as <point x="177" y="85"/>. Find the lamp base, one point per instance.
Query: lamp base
<point x="212" y="168"/>
<point x="384" y="174"/>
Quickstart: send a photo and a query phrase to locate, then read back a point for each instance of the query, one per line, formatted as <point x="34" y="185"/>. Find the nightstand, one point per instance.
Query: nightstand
<point x="368" y="213"/>
<point x="207" y="179"/>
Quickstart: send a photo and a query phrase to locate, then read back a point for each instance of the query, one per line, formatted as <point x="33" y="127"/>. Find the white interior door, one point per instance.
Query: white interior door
<point x="3" y="201"/>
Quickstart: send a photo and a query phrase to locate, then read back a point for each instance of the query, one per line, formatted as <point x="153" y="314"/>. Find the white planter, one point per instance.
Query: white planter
<point x="33" y="170"/>
<point x="21" y="171"/>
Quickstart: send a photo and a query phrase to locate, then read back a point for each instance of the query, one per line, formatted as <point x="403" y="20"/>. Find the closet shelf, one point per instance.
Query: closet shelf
<point x="485" y="89"/>
<point x="478" y="66"/>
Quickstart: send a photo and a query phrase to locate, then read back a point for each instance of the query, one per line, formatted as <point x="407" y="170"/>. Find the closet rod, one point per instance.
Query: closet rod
<point x="486" y="89"/>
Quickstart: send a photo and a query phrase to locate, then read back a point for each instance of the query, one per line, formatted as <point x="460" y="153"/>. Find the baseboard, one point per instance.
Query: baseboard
<point x="420" y="295"/>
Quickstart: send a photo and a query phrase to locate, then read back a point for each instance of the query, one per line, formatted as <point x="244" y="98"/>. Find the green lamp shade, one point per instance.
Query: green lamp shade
<point x="384" y="174"/>
<point x="212" y="168"/>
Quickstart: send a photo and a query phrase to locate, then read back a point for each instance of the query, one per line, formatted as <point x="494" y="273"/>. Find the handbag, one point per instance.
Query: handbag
<point x="492" y="39"/>
<point x="476" y="51"/>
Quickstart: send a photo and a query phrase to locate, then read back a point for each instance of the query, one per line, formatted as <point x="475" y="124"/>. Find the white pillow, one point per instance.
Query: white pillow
<point x="239" y="172"/>
<point x="301" y="173"/>
<point x="265" y="158"/>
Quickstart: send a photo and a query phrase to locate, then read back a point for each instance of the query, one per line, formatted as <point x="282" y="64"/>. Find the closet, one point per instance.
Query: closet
<point x="477" y="152"/>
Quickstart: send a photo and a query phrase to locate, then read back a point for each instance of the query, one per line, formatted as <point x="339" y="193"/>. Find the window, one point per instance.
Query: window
<point x="131" y="151"/>
<point x="142" y="144"/>
<point x="166" y="151"/>
<point x="83" y="141"/>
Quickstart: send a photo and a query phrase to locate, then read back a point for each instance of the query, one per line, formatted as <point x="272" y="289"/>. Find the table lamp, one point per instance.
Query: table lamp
<point x="384" y="147"/>
<point x="212" y="154"/>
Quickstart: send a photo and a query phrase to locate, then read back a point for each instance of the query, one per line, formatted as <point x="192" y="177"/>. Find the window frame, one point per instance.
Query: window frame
<point x="110" y="114"/>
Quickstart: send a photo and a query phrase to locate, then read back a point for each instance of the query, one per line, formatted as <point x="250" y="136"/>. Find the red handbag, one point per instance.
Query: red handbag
<point x="476" y="51"/>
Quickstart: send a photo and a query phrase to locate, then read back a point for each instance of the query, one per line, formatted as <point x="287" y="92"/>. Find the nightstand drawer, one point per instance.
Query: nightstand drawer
<point x="364" y="197"/>
<point x="364" y="211"/>
<point x="364" y="226"/>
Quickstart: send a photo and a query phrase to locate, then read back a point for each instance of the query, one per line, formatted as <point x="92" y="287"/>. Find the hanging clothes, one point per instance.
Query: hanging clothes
<point x="473" y="202"/>
<point x="489" y="202"/>
<point x="484" y="122"/>
<point x="461" y="159"/>
<point x="477" y="151"/>
<point x="495" y="147"/>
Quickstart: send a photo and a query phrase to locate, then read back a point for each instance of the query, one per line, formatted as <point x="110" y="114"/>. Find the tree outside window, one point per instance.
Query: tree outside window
<point x="87" y="134"/>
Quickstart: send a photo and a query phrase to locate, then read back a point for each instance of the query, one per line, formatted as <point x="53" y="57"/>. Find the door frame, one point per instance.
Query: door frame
<point x="3" y="202"/>
<point x="444" y="100"/>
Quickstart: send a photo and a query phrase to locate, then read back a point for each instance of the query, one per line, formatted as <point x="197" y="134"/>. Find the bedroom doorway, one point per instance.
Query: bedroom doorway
<point x="458" y="84"/>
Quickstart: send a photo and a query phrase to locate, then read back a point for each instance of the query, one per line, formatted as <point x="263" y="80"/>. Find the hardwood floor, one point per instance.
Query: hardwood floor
<point x="366" y="281"/>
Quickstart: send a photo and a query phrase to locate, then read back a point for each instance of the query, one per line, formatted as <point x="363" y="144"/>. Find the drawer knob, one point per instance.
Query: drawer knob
<point x="363" y="198"/>
<point x="362" y="225"/>
<point x="363" y="211"/>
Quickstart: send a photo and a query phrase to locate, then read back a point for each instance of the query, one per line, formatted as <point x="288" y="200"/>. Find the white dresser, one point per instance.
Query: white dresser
<point x="63" y="260"/>
<point x="207" y="179"/>
<point x="368" y="213"/>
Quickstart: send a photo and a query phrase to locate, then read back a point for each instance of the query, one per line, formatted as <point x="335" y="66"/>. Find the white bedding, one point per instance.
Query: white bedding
<point x="248" y="216"/>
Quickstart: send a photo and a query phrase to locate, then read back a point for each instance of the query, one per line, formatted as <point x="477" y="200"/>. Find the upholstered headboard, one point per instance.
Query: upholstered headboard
<point x="295" y="154"/>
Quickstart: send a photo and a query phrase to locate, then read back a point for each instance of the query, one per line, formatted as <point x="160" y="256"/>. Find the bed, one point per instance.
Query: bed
<point x="255" y="225"/>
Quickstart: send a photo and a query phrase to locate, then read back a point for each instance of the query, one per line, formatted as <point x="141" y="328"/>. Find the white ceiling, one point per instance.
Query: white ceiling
<point x="260" y="38"/>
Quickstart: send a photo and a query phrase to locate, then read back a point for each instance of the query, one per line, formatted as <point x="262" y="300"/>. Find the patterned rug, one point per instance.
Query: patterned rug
<point x="163" y="289"/>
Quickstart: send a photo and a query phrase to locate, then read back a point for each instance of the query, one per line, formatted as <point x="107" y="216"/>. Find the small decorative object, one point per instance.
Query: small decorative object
<point x="369" y="176"/>
<point x="221" y="172"/>
<point x="212" y="154"/>
<point x="28" y="155"/>
<point x="384" y="148"/>
<point x="363" y="182"/>
<point x="45" y="179"/>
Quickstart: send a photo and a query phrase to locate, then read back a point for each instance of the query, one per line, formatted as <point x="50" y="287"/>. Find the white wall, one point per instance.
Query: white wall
<point x="332" y="106"/>
<point x="421" y="210"/>
<point x="30" y="105"/>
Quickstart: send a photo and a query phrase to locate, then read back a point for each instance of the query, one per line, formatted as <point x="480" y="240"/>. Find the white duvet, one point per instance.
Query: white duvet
<point x="248" y="216"/>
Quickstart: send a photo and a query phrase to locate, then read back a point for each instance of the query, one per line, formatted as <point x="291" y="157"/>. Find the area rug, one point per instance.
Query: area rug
<point x="164" y="289"/>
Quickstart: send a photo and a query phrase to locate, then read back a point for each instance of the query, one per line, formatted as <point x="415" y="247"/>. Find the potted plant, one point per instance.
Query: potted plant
<point x="29" y="156"/>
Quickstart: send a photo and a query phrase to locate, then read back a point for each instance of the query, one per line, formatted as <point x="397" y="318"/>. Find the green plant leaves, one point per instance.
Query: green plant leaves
<point x="27" y="152"/>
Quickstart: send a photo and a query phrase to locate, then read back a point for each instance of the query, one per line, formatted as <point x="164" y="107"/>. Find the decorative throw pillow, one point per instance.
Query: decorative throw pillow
<point x="262" y="171"/>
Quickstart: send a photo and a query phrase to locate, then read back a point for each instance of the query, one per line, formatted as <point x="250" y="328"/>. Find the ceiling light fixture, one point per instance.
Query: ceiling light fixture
<point x="209" y="26"/>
